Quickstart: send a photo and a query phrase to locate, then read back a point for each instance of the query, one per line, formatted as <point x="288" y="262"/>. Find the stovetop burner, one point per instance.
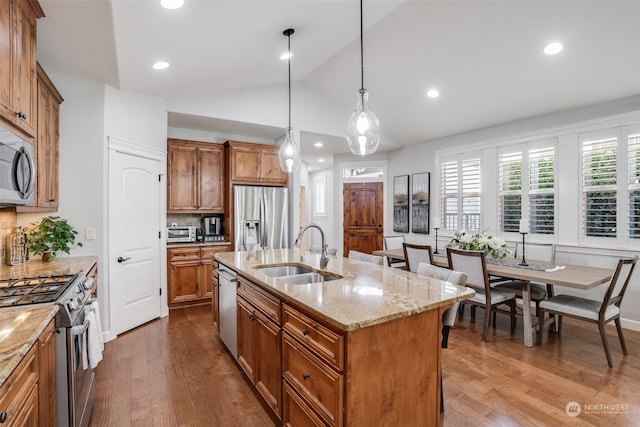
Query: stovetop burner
<point x="33" y="290"/>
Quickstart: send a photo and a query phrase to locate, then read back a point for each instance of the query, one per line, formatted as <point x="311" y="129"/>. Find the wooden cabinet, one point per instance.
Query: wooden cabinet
<point x="195" y="177"/>
<point x="47" y="377"/>
<point x="215" y="296"/>
<point x="190" y="274"/>
<point x="49" y="100"/>
<point x="19" y="395"/>
<point x="18" y="65"/>
<point x="255" y="164"/>
<point x="259" y="341"/>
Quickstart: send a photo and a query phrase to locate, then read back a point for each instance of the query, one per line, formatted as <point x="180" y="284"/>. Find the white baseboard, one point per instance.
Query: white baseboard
<point x="633" y="325"/>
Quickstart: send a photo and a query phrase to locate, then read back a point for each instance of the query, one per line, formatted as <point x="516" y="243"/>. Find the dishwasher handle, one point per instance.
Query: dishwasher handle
<point x="227" y="274"/>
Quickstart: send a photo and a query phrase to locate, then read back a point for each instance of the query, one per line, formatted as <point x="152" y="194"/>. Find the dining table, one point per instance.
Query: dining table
<point x="571" y="276"/>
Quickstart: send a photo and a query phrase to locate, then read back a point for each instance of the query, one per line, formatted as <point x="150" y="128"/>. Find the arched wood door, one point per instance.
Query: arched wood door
<point x="363" y="217"/>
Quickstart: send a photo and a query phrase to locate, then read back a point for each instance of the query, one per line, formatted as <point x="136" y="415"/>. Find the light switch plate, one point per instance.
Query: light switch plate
<point x="90" y="233"/>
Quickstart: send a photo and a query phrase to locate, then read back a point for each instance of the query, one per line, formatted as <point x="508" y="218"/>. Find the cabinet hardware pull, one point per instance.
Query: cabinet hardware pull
<point x="3" y="417"/>
<point x="305" y="332"/>
<point x="305" y="376"/>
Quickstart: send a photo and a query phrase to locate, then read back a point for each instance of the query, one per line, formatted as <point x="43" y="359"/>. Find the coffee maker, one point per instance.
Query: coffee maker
<point x="212" y="229"/>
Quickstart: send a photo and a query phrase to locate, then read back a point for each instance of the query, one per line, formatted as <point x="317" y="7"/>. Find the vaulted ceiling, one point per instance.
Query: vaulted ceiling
<point x="485" y="57"/>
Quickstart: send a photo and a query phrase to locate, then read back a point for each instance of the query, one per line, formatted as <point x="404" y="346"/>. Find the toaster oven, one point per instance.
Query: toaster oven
<point x="181" y="234"/>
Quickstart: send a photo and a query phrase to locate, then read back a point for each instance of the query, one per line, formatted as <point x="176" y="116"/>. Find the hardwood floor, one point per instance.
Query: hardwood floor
<point x="175" y="372"/>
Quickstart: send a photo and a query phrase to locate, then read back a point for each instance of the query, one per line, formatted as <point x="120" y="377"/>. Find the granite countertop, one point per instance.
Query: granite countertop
<point x="37" y="268"/>
<point x="20" y="327"/>
<point x="367" y="294"/>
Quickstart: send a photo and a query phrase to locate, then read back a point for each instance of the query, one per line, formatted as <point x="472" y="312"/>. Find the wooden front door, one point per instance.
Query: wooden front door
<point x="363" y="217"/>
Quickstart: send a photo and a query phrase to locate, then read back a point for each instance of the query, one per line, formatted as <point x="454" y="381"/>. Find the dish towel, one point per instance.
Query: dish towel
<point x="94" y="337"/>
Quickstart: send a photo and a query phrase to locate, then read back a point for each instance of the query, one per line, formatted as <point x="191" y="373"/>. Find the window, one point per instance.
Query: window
<point x="599" y="186"/>
<point x="527" y="187"/>
<point x="634" y="185"/>
<point x="320" y="196"/>
<point x="460" y="194"/>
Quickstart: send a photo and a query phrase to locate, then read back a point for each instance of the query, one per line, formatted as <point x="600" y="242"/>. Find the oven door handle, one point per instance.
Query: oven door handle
<point x="80" y="329"/>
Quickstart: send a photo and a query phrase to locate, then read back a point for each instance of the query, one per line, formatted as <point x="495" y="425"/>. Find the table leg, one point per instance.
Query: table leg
<point x="526" y="314"/>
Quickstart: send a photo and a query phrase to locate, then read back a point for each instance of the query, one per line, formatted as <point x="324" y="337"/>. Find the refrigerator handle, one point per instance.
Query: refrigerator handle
<point x="263" y="222"/>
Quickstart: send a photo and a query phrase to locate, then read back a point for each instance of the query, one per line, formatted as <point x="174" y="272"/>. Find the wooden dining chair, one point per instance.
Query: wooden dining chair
<point x="361" y="256"/>
<point x="473" y="264"/>
<point x="394" y="242"/>
<point x="415" y="254"/>
<point x="451" y="314"/>
<point x="600" y="312"/>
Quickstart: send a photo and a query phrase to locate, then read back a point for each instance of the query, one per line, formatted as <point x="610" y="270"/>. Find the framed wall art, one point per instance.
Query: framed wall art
<point x="401" y="203"/>
<point x="420" y="202"/>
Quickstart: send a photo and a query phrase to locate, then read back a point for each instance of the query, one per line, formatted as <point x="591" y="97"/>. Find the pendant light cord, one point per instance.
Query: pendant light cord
<point x="289" y="49"/>
<point x="361" y="51"/>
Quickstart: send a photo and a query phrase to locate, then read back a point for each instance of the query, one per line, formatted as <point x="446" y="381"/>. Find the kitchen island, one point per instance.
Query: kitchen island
<point x="360" y="349"/>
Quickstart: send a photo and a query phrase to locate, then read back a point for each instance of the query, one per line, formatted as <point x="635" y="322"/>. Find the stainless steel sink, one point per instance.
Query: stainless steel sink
<point x="280" y="270"/>
<point x="296" y="274"/>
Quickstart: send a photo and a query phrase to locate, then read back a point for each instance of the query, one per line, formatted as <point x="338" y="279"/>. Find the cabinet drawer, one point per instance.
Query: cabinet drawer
<point x="296" y="412"/>
<point x="319" y="385"/>
<point x="325" y="343"/>
<point x="268" y="304"/>
<point x="22" y="381"/>
<point x="183" y="254"/>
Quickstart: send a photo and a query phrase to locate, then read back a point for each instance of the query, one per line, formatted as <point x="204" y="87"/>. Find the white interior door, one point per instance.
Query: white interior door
<point x="134" y="240"/>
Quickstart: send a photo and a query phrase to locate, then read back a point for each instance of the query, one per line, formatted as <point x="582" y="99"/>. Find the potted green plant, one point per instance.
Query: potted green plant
<point x="50" y="236"/>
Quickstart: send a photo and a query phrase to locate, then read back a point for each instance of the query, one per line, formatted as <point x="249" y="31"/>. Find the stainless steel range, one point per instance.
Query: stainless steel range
<point x="74" y="382"/>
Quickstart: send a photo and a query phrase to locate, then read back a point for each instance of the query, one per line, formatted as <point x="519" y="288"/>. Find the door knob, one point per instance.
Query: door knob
<point x="121" y="260"/>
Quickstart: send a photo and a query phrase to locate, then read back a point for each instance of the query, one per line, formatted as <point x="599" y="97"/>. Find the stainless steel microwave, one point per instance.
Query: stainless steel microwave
<point x="181" y="234"/>
<point x="17" y="169"/>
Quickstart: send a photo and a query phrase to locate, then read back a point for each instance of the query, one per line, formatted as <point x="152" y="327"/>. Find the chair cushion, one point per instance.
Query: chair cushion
<point x="579" y="307"/>
<point x="538" y="292"/>
<point x="496" y="296"/>
<point x="449" y="316"/>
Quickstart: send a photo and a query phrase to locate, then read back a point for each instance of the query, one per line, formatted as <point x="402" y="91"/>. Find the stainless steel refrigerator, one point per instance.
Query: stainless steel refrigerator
<point x="261" y="217"/>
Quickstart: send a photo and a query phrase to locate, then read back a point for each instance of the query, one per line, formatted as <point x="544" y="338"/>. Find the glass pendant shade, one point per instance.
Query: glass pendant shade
<point x="363" y="128"/>
<point x="289" y="153"/>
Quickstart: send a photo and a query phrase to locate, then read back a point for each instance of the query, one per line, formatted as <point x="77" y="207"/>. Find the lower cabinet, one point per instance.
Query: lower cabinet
<point x="259" y="341"/>
<point x="190" y="274"/>
<point x="27" y="398"/>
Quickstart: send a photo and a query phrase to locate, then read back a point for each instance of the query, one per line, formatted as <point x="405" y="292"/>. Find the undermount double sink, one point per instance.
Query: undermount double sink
<point x="296" y="274"/>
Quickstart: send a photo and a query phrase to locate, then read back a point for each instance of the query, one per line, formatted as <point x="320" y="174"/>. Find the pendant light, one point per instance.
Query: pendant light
<point x="289" y="153"/>
<point x="363" y="129"/>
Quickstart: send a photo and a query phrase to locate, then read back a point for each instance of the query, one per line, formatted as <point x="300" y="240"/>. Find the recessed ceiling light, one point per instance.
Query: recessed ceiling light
<point x="286" y="56"/>
<point x="321" y="160"/>
<point x="318" y="144"/>
<point x="160" y="65"/>
<point x="171" y="4"/>
<point x="553" y="48"/>
<point x="433" y="93"/>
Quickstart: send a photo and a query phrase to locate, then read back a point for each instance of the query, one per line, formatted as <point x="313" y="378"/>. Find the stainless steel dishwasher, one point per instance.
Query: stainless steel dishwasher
<point x="228" y="309"/>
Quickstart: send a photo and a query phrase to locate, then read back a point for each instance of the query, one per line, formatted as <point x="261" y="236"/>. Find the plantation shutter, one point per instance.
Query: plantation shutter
<point x="599" y="161"/>
<point x="449" y="194"/>
<point x="320" y="196"/>
<point x="634" y="185"/>
<point x="542" y="190"/>
<point x="510" y="201"/>
<point x="471" y="190"/>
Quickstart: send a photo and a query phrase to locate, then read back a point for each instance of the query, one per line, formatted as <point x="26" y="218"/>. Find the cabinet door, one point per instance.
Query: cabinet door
<point x="215" y="297"/>
<point x="47" y="148"/>
<point x="206" y="275"/>
<point x="47" y="377"/>
<point x="7" y="55"/>
<point x="295" y="412"/>
<point x="28" y="415"/>
<point x="25" y="77"/>
<point x="246" y="345"/>
<point x="184" y="279"/>
<point x="270" y="167"/>
<point x="211" y="171"/>
<point x="268" y="379"/>
<point x="182" y="178"/>
<point x="245" y="163"/>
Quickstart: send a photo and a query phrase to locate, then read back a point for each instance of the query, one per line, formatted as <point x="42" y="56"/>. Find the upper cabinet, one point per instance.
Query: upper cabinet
<point x="18" y="66"/>
<point x="255" y="164"/>
<point x="49" y="100"/>
<point x="195" y="176"/>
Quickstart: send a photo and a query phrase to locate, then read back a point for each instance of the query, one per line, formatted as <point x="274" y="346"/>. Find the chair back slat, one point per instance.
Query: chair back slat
<point x="415" y="254"/>
<point x="619" y="283"/>
<point x="536" y="251"/>
<point x="393" y="242"/>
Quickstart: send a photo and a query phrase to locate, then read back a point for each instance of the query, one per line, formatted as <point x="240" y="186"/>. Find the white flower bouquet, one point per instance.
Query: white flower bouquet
<point x="481" y="241"/>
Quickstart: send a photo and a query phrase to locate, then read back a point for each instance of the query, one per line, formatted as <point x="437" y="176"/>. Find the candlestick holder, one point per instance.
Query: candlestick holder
<point x="436" y="251"/>
<point x="524" y="261"/>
